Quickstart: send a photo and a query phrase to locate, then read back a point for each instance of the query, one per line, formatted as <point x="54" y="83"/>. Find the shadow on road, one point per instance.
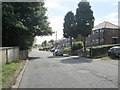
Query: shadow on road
<point x="58" y="56"/>
<point x="76" y="60"/>
<point x="33" y="58"/>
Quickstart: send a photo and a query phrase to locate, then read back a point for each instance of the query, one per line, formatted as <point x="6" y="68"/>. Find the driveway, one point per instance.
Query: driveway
<point x="47" y="71"/>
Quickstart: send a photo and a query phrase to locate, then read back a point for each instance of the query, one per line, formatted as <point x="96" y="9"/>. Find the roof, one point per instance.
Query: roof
<point x="106" y="25"/>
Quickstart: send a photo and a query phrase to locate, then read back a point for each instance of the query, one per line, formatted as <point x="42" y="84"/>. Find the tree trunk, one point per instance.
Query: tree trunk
<point x="84" y="42"/>
<point x="70" y="41"/>
<point x="71" y="44"/>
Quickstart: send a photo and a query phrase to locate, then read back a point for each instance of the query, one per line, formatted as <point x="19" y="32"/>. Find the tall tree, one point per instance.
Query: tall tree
<point x="52" y="42"/>
<point x="22" y="21"/>
<point x="84" y="19"/>
<point x="44" y="43"/>
<point x="69" y="26"/>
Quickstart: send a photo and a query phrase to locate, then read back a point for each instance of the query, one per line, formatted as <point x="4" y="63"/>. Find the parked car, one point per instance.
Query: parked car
<point x="114" y="52"/>
<point x="52" y="50"/>
<point x="58" y="52"/>
<point x="41" y="49"/>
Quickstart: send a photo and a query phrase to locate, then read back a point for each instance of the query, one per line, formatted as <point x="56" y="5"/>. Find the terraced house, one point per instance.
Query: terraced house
<point x="104" y="33"/>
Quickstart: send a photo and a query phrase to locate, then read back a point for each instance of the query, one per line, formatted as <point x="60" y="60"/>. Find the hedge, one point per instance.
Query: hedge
<point x="99" y="50"/>
<point x="77" y="45"/>
<point x="66" y="50"/>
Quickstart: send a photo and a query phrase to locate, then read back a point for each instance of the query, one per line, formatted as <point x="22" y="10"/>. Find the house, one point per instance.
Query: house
<point x="63" y="42"/>
<point x="104" y="33"/>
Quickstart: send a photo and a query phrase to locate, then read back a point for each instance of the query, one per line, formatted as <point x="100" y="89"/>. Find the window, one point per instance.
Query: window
<point x="113" y="31"/>
<point x="96" y="31"/>
<point x="97" y="40"/>
<point x="88" y="35"/>
<point x="101" y="30"/>
<point x="101" y="40"/>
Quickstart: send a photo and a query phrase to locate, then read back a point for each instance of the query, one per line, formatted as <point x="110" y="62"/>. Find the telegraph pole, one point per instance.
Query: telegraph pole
<point x="56" y="36"/>
<point x="56" y="39"/>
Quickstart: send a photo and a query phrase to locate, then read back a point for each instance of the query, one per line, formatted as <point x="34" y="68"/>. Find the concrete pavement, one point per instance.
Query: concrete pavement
<point x="47" y="71"/>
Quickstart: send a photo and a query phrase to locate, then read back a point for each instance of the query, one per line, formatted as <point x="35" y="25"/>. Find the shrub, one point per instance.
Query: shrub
<point x="99" y="50"/>
<point x="77" y="45"/>
<point x="66" y="50"/>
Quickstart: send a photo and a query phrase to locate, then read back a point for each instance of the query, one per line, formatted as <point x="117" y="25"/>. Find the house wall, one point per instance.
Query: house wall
<point x="108" y="34"/>
<point x="119" y="36"/>
<point x="103" y="36"/>
<point x="96" y="38"/>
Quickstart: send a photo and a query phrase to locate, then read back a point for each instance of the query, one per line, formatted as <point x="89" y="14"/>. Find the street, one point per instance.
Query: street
<point x="47" y="71"/>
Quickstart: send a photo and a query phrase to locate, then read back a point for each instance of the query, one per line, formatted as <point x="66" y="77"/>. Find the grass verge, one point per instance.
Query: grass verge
<point x="106" y="58"/>
<point x="0" y="76"/>
<point x="10" y="72"/>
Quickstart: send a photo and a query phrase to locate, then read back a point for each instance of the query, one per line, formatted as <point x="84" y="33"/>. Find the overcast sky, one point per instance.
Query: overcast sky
<point x="103" y="10"/>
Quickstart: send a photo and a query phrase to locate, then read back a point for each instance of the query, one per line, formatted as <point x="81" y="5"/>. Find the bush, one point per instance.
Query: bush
<point x="66" y="50"/>
<point x="77" y="45"/>
<point x="100" y="50"/>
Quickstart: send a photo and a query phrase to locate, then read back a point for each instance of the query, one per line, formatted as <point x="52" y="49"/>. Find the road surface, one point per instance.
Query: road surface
<point x="47" y="71"/>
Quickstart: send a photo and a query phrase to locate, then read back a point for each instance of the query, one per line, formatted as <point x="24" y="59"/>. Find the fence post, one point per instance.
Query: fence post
<point x="6" y="56"/>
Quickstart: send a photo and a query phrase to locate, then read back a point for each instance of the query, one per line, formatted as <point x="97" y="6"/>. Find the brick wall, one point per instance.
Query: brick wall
<point x="104" y="37"/>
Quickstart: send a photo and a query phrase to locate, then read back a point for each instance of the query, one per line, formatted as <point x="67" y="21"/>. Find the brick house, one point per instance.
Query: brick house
<point x="104" y="33"/>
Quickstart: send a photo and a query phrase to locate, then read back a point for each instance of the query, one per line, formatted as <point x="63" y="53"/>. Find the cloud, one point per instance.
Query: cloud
<point x="52" y="5"/>
<point x="111" y="17"/>
<point x="57" y="23"/>
<point x="115" y="3"/>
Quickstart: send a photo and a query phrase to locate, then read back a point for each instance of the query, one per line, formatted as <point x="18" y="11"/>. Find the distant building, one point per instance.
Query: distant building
<point x="104" y="33"/>
<point x="64" y="42"/>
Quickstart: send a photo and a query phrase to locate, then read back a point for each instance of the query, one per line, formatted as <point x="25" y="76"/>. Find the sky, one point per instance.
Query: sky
<point x="103" y="10"/>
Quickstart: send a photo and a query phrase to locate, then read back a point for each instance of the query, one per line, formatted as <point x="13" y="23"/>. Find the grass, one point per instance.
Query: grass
<point x="106" y="58"/>
<point x="0" y="75"/>
<point x="9" y="70"/>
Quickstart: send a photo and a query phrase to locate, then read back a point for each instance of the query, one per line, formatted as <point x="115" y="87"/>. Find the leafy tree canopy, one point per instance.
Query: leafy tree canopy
<point x="84" y="18"/>
<point x="22" y="21"/>
<point x="69" y="25"/>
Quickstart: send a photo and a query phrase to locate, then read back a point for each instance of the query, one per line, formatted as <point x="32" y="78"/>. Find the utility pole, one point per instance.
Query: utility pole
<point x="56" y="44"/>
<point x="56" y="36"/>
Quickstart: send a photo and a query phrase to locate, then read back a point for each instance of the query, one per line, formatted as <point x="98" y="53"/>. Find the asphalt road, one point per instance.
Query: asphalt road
<point x="47" y="71"/>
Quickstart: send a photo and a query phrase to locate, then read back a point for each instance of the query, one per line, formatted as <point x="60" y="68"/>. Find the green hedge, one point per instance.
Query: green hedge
<point x="66" y="50"/>
<point x="77" y="45"/>
<point x="100" y="50"/>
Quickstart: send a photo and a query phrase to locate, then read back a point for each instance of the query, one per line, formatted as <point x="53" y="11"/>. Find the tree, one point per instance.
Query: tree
<point x="84" y="19"/>
<point x="52" y="42"/>
<point x="69" y="26"/>
<point x="22" y="21"/>
<point x="44" y="43"/>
